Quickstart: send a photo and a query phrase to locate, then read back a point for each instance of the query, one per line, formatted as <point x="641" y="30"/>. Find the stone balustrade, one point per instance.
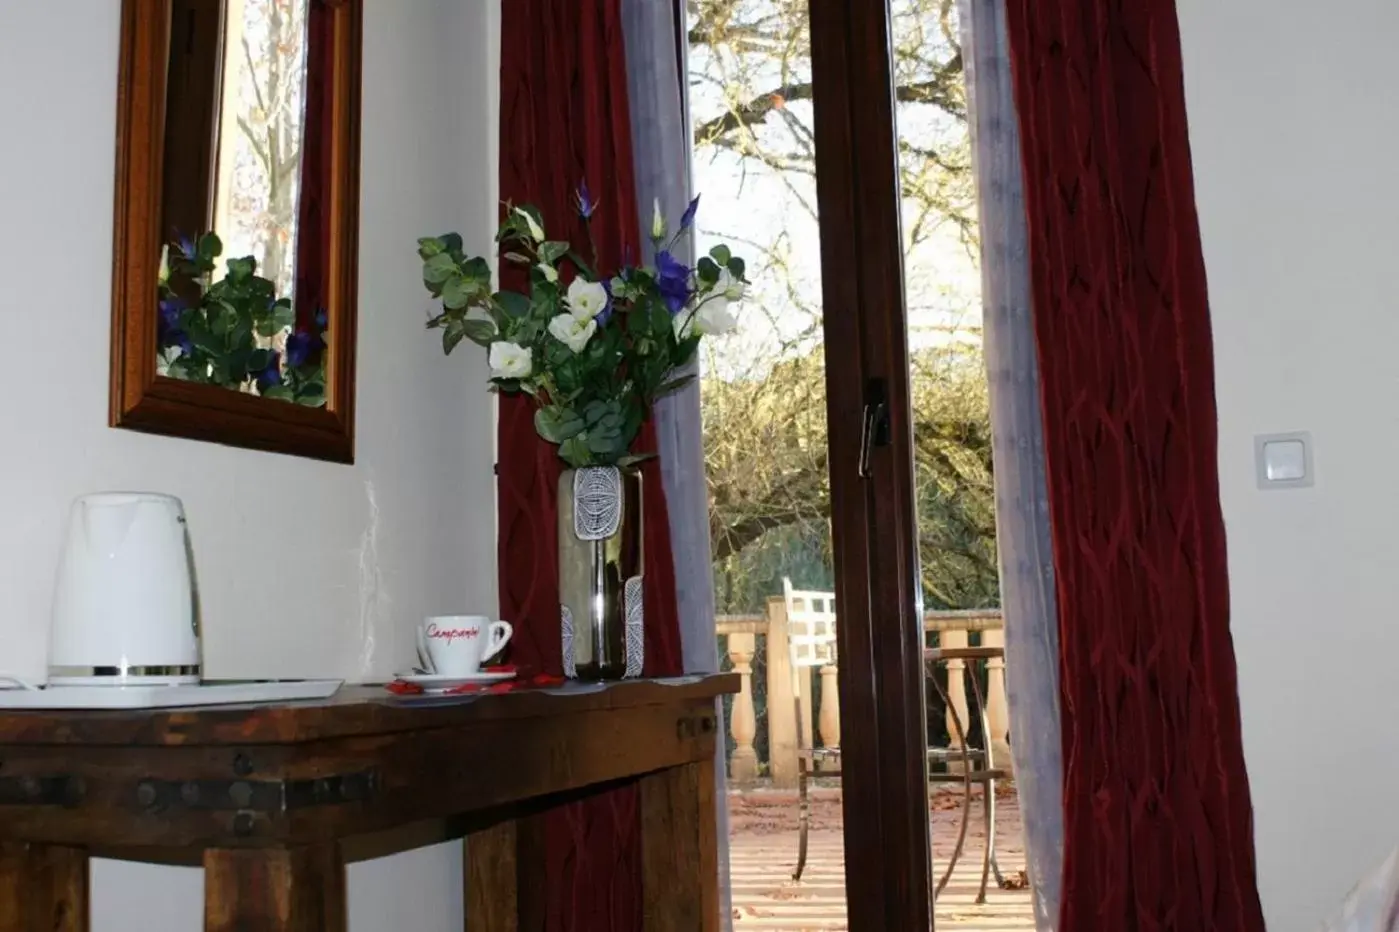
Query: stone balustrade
<point x="953" y="629"/>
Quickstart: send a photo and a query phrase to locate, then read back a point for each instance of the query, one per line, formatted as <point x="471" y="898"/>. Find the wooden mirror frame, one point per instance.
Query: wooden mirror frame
<point x="142" y="400"/>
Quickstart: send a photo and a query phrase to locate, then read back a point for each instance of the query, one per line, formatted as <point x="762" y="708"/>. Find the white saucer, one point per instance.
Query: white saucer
<point x="436" y="682"/>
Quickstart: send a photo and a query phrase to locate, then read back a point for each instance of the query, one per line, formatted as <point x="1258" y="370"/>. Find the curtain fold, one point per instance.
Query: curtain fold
<point x="1158" y="823"/>
<point x="565" y="119"/>
<point x="1022" y="497"/>
<point x="662" y="151"/>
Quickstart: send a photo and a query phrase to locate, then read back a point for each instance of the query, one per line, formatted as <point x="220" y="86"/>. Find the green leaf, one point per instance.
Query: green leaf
<point x="513" y="303"/>
<point x="575" y="452"/>
<point x="280" y="318"/>
<point x="283" y="314"/>
<point x="438" y="268"/>
<point x="452" y="242"/>
<point x="240" y="268"/>
<point x="516" y="257"/>
<point x="635" y="459"/>
<point x="707" y="270"/>
<point x="429" y="246"/>
<point x="721" y="254"/>
<point x="552" y="251"/>
<point x="479" y="331"/>
<point x="277" y="392"/>
<point x="557" y="424"/>
<point x="311" y="394"/>
<point x="457" y="293"/>
<point x="209" y="247"/>
<point x="737" y="267"/>
<point x="454" y="334"/>
<point x="605" y="442"/>
<point x="534" y="215"/>
<point x="258" y="360"/>
<point x="478" y="271"/>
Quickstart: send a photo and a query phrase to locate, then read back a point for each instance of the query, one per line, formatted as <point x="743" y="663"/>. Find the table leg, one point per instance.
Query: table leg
<point x="274" y="890"/>
<point x="680" y="849"/>
<point x="43" y="888"/>
<point x="500" y="861"/>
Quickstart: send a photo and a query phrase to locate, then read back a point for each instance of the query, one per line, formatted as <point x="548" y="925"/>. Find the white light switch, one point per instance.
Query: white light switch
<point x="1284" y="460"/>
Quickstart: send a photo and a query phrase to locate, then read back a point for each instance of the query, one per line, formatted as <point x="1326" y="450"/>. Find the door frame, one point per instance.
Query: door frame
<point x="888" y="862"/>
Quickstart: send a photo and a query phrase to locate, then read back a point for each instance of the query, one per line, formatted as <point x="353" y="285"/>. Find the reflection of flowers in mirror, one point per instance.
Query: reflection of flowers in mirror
<point x="594" y="350"/>
<point x="235" y="332"/>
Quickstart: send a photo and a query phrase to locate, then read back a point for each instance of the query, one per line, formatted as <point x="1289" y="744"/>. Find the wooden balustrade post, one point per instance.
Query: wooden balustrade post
<point x="997" y="707"/>
<point x="743" y="721"/>
<point x="956" y="693"/>
<point x="830" y="713"/>
<point x="781" y="704"/>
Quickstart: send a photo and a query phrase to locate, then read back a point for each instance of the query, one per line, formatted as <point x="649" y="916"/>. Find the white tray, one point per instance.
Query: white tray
<point x="212" y="692"/>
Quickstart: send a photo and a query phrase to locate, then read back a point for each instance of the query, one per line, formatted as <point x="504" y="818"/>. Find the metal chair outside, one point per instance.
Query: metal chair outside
<point x="811" y="621"/>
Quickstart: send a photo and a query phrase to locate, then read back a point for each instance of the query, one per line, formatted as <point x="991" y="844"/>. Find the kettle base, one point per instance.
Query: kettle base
<point x="133" y="675"/>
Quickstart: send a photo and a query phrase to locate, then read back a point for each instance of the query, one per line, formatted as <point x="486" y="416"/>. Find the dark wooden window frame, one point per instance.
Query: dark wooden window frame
<point x="141" y="400"/>
<point x="883" y="717"/>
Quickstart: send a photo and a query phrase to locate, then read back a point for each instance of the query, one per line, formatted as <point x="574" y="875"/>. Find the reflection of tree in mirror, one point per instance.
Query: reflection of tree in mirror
<point x="229" y="332"/>
<point x="764" y="393"/>
<point x="260" y="133"/>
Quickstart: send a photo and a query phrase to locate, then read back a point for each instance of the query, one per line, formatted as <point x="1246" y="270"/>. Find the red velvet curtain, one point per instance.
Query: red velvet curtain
<point x="318" y="126"/>
<point x="565" y="118"/>
<point x="1158" y="823"/>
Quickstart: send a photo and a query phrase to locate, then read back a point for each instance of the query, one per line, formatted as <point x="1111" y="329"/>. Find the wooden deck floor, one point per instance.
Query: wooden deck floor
<point x="763" y="852"/>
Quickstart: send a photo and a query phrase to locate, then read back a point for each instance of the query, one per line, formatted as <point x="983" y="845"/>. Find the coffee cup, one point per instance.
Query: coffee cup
<point x="457" y="645"/>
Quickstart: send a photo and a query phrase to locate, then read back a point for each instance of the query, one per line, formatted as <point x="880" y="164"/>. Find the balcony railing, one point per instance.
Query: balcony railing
<point x="952" y="629"/>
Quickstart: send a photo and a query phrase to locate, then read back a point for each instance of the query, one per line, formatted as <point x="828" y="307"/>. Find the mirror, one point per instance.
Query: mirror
<point x="236" y="222"/>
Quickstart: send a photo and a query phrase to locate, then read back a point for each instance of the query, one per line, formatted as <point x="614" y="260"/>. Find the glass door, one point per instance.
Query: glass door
<point x="848" y="453"/>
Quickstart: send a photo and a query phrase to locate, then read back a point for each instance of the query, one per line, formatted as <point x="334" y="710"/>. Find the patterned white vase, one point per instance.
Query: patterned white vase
<point x="600" y="572"/>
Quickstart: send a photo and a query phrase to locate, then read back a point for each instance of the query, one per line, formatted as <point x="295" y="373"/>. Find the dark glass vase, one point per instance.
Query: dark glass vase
<point x="600" y="572"/>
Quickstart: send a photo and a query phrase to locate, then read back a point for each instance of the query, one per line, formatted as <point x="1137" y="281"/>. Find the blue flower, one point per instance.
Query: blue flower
<point x="606" y="313"/>
<point x="586" y="204"/>
<point x="186" y="245"/>
<point x="673" y="280"/>
<point x="303" y="347"/>
<point x="688" y="218"/>
<point x="168" y="332"/>
<point x="170" y="310"/>
<point x="272" y="375"/>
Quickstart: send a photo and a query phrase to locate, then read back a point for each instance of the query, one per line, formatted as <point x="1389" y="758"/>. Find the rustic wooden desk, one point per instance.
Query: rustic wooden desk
<point x="271" y="798"/>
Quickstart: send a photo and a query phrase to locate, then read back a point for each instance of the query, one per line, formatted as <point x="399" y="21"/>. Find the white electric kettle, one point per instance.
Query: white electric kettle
<point x="125" y="610"/>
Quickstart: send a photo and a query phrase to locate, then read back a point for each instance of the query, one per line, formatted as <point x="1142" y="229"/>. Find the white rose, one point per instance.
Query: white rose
<point x="510" y="361"/>
<point x="551" y="274"/>
<point x="586" y="299"/>
<point x="573" y="332"/>
<point x="731" y="288"/>
<point x="714" y="318"/>
<point x="536" y="232"/>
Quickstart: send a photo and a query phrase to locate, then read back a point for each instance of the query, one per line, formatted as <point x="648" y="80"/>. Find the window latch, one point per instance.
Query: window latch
<point x="874" y="432"/>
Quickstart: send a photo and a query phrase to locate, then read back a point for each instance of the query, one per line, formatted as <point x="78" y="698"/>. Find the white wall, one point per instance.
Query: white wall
<point x="306" y="568"/>
<point x="1294" y="126"/>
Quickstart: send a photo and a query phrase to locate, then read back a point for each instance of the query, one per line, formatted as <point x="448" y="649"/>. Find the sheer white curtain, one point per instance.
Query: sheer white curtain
<point x="1022" y="502"/>
<point x="661" y="145"/>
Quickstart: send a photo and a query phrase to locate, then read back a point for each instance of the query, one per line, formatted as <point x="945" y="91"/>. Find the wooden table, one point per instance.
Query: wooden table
<point x="272" y="799"/>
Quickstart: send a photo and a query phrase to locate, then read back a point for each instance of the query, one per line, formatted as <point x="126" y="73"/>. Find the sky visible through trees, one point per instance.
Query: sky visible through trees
<point x="764" y="390"/>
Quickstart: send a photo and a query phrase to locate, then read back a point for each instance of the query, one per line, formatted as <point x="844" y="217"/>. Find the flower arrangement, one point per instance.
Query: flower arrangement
<point x="234" y="332"/>
<point x="594" y="352"/>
